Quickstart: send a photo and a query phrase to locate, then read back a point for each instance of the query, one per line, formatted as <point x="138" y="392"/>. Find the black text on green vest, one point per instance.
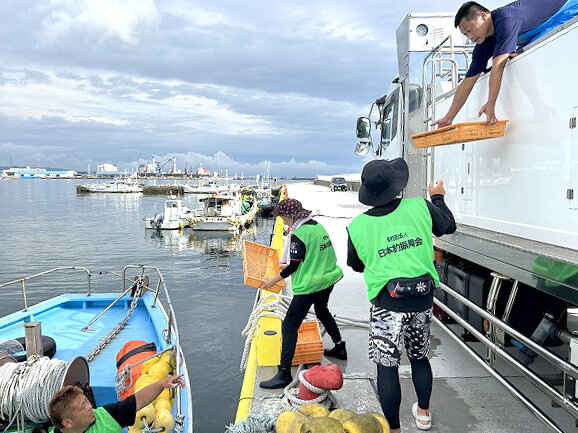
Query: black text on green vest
<point x="397" y="245"/>
<point x="319" y="270"/>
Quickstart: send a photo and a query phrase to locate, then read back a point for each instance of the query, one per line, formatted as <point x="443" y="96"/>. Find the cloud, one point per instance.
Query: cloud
<point x="220" y="162"/>
<point x="119" y="80"/>
<point x="104" y="19"/>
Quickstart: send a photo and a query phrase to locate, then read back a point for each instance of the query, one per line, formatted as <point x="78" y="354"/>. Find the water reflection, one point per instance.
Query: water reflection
<point x="217" y="244"/>
<point x="121" y="200"/>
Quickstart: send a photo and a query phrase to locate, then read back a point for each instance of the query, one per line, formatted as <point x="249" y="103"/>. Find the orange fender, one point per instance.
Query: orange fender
<point x="131" y="353"/>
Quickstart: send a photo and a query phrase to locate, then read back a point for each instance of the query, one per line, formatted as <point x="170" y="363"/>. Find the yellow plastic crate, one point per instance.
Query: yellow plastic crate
<point x="459" y="133"/>
<point x="260" y="263"/>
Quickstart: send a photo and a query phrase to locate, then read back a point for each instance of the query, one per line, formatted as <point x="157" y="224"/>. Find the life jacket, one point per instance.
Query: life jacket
<point x="131" y="353"/>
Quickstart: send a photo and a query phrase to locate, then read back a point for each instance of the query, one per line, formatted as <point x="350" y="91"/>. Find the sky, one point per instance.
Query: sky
<point x="224" y="84"/>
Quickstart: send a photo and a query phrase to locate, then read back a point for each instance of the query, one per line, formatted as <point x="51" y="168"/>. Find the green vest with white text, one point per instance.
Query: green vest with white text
<point x="319" y="269"/>
<point x="396" y="245"/>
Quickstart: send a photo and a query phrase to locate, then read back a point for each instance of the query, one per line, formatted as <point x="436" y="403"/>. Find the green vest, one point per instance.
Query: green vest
<point x="319" y="269"/>
<point x="104" y="423"/>
<point x="397" y="245"/>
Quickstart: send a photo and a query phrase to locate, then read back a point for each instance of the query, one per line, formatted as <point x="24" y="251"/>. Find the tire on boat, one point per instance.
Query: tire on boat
<point x="48" y="348"/>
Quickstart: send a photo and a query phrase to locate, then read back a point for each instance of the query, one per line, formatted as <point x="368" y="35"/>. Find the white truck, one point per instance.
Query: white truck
<point x="510" y="272"/>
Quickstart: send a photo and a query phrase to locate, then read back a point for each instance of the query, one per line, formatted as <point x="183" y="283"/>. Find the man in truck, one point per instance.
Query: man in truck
<point x="496" y="35"/>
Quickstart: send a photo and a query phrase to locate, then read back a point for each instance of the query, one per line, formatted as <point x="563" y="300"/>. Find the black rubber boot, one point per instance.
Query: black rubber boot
<point x="338" y="351"/>
<point x="280" y="380"/>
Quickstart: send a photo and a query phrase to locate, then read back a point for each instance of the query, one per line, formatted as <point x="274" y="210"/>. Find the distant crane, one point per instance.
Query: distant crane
<point x="173" y="171"/>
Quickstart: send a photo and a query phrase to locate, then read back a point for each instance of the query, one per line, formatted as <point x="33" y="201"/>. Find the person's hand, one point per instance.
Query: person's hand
<point x="267" y="284"/>
<point x="173" y="381"/>
<point x="488" y="110"/>
<point x="437" y="189"/>
<point x="444" y="121"/>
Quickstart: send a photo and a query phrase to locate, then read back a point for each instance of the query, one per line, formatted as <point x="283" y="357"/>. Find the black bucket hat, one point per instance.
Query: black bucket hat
<point x="382" y="180"/>
<point x="291" y="208"/>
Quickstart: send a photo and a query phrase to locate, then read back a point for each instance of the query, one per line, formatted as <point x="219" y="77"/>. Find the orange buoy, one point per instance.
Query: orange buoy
<point x="131" y="353"/>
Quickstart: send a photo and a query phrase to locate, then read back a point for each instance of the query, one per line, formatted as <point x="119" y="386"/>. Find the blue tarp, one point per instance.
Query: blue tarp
<point x="566" y="13"/>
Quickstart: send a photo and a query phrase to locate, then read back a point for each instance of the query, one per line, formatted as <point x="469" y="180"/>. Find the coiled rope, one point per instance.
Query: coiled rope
<point x="28" y="386"/>
<point x="325" y="397"/>
<point x="272" y="305"/>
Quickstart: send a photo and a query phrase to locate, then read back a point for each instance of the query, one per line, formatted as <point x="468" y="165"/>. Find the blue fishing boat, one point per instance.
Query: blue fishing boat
<point x="85" y="333"/>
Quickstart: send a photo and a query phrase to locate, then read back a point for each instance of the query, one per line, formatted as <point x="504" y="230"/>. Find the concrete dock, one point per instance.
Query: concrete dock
<point x="465" y="397"/>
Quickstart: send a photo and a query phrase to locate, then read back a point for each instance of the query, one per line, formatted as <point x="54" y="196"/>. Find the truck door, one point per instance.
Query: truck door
<point x="572" y="192"/>
<point x="389" y="146"/>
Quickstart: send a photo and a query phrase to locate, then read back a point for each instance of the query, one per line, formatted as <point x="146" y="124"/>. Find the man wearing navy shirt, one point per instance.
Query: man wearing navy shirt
<point x="495" y="34"/>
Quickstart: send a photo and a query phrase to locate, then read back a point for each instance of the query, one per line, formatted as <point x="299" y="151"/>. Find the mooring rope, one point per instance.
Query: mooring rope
<point x="325" y="397"/>
<point x="29" y="386"/>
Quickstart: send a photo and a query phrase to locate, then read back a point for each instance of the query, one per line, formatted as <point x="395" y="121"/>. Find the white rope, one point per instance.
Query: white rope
<point x="325" y="397"/>
<point x="276" y="308"/>
<point x="29" y="386"/>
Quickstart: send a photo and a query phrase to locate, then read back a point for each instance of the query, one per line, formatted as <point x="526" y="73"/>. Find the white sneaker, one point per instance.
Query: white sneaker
<point x="422" y="422"/>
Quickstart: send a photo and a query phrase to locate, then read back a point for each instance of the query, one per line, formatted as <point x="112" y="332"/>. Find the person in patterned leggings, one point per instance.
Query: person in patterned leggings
<point x="392" y="245"/>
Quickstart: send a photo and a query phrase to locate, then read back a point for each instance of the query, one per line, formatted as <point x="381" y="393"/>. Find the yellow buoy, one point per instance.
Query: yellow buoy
<point x="148" y="364"/>
<point x="160" y="370"/>
<point x="362" y="424"/>
<point x="341" y="415"/>
<point x="314" y="410"/>
<point x="148" y="413"/>
<point x="143" y="381"/>
<point x="322" y="424"/>
<point x="290" y="422"/>
<point x="382" y="421"/>
<point x="165" y="395"/>
<point x="164" y="420"/>
<point x="169" y="357"/>
<point x="161" y="403"/>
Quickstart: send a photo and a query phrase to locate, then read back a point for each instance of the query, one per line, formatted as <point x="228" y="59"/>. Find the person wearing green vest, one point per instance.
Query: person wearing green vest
<point x="314" y="271"/>
<point x="71" y="412"/>
<point x="392" y="245"/>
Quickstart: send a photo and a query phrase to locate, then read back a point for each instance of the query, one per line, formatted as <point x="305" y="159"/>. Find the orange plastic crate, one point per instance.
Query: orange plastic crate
<point x="309" y="349"/>
<point x="260" y="263"/>
<point x="459" y="133"/>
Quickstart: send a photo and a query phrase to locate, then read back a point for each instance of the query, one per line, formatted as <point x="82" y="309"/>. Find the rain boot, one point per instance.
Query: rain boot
<point x="338" y="351"/>
<point x="280" y="380"/>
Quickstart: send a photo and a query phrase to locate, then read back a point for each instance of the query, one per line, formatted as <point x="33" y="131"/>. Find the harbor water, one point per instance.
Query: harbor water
<point x="46" y="224"/>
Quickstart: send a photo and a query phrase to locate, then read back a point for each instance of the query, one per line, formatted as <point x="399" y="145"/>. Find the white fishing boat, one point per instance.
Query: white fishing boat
<point x="116" y="186"/>
<point x="209" y="186"/>
<point x="175" y="216"/>
<point x="226" y="212"/>
<point x="77" y="338"/>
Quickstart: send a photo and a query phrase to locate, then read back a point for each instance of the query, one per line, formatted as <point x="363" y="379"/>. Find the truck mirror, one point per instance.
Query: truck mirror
<point x="363" y="128"/>
<point x="362" y="147"/>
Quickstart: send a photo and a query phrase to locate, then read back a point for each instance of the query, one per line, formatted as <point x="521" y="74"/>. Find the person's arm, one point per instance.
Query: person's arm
<point x="147" y="394"/>
<point x="460" y="98"/>
<point x="270" y="282"/>
<point x="290" y="268"/>
<point x="498" y="64"/>
<point x="443" y="222"/>
<point x="297" y="254"/>
<point x="353" y="260"/>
